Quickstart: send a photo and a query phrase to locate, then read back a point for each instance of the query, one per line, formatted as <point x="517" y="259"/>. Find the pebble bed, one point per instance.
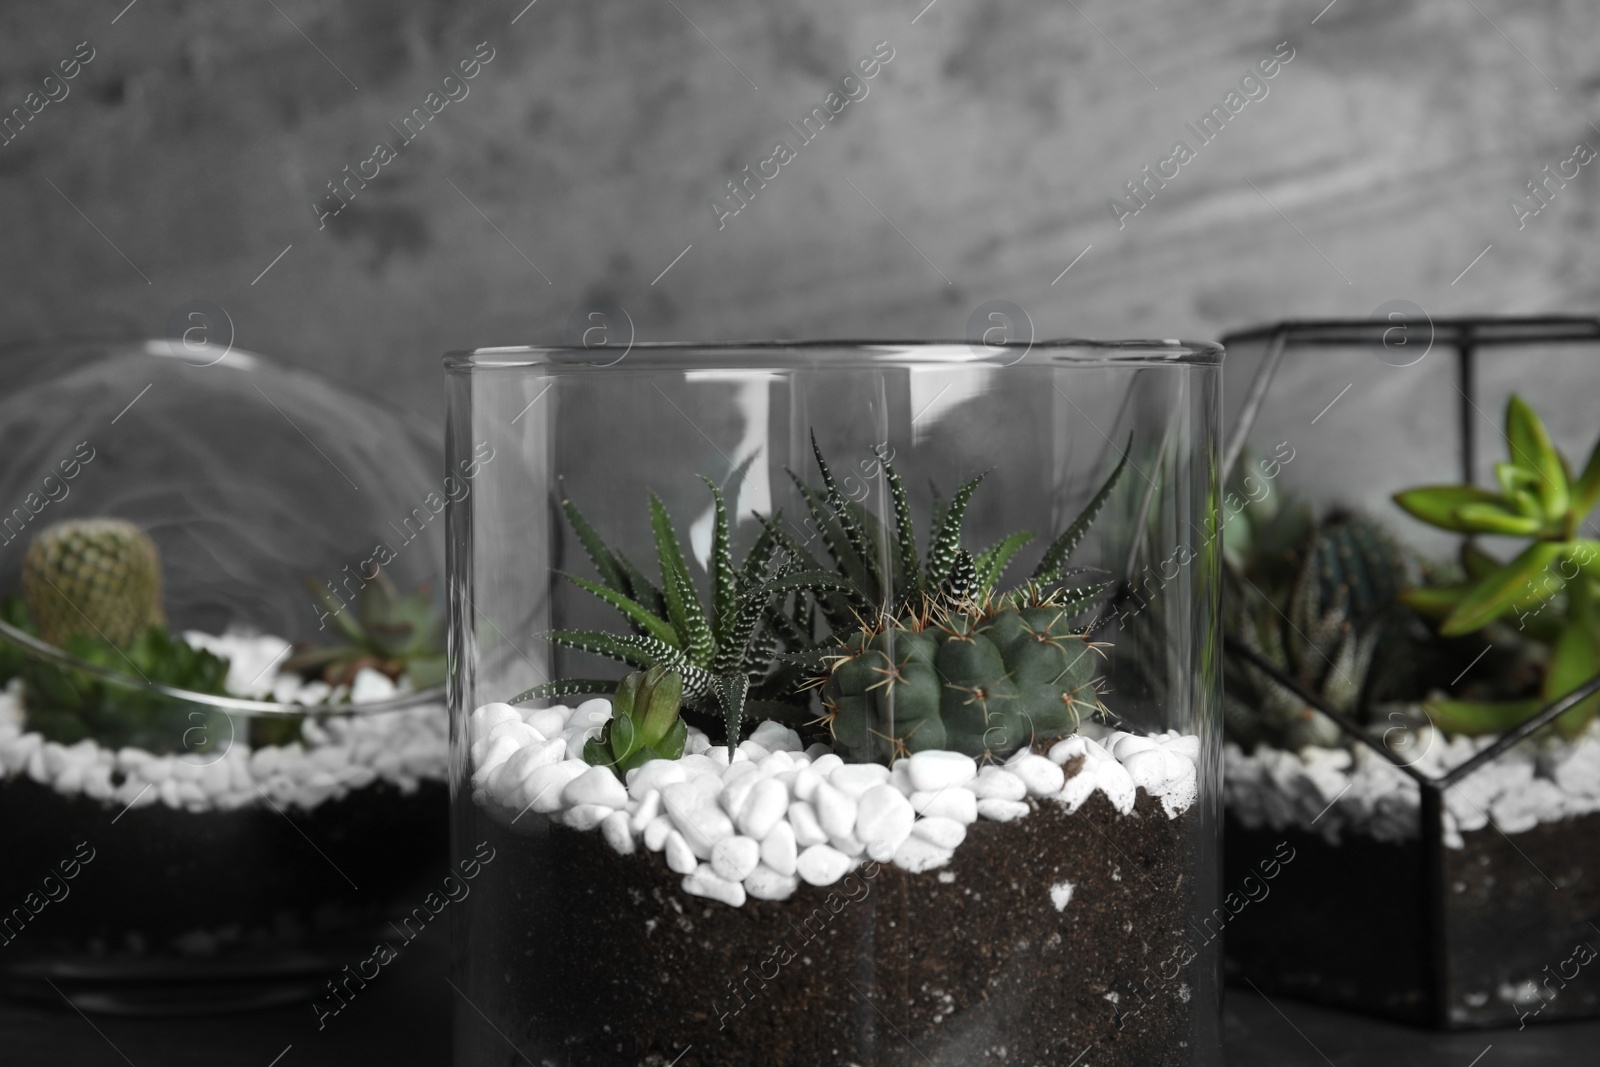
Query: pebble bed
<point x="1335" y="790"/>
<point x="759" y="820"/>
<point x="335" y="757"/>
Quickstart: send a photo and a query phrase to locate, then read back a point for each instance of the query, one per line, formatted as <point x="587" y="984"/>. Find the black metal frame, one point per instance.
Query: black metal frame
<point x="1465" y="336"/>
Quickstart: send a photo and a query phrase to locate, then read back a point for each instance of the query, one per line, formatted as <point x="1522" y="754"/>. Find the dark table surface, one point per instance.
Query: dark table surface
<point x="405" y="1020"/>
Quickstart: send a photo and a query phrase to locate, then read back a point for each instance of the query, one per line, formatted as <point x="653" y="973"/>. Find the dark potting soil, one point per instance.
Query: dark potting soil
<point x="1349" y="924"/>
<point x="585" y="957"/>
<point x="172" y="884"/>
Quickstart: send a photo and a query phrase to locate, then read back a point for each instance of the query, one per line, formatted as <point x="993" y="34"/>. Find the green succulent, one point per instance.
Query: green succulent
<point x="725" y="656"/>
<point x="644" y="723"/>
<point x="942" y="660"/>
<point x="1547" y="591"/>
<point x="93" y="576"/>
<point x="398" y="634"/>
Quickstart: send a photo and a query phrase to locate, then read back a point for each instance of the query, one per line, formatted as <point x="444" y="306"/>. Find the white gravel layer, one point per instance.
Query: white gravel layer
<point x="340" y="754"/>
<point x="758" y="821"/>
<point x="1337" y="790"/>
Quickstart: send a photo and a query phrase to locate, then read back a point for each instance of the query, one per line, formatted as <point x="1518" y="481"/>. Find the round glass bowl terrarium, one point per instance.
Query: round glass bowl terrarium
<point x="222" y="733"/>
<point x="836" y="703"/>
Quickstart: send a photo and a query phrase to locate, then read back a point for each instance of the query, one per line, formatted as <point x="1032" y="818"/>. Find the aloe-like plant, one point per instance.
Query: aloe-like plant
<point x="725" y="656"/>
<point x="389" y="631"/>
<point x="1548" y="591"/>
<point x="644" y="723"/>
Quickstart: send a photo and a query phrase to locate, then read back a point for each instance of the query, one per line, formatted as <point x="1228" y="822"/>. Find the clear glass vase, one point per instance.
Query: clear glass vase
<point x="223" y="810"/>
<point x="937" y="789"/>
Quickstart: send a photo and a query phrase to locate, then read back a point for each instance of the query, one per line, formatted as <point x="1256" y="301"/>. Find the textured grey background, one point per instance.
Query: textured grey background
<point x="586" y="155"/>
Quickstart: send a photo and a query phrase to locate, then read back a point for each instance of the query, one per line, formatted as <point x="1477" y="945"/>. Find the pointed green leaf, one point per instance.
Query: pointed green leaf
<point x="818" y="582"/>
<point x="1498" y="519"/>
<point x="661" y="710"/>
<point x="853" y="533"/>
<point x="730" y="691"/>
<point x="683" y="603"/>
<point x="992" y="562"/>
<point x="1531" y="448"/>
<point x="623" y="704"/>
<point x="1060" y="551"/>
<point x="641" y="588"/>
<point x="636" y="612"/>
<point x="600" y="643"/>
<point x="1494" y="595"/>
<point x="565" y="687"/>
<point x="723" y="584"/>
<point x="1476" y="562"/>
<point x="905" y="537"/>
<point x="1436" y="504"/>
<point x="604" y="562"/>
<point x="754" y="570"/>
<point x="1574" y="660"/>
<point x="1474" y="718"/>
<point x="947" y="538"/>
<point x="671" y="746"/>
<point x="1586" y="491"/>
<point x="833" y="535"/>
<point x="624" y="737"/>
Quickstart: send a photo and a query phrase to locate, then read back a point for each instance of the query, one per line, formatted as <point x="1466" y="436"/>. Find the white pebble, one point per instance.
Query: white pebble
<point x="614" y="828"/>
<point x="586" y="816"/>
<point x="1187" y="746"/>
<point x="489" y="716"/>
<point x="718" y="754"/>
<point x="1113" y="780"/>
<point x="883" y="820"/>
<point x="807" y="830"/>
<point x="705" y="882"/>
<point x="1123" y="745"/>
<point x="806" y="780"/>
<point x="542" y="789"/>
<point x="946" y="833"/>
<point x="835" y="811"/>
<point x="647" y="811"/>
<point x="816" y="751"/>
<point x="997" y="783"/>
<point x="597" y="785"/>
<point x="1040" y="775"/>
<point x="1003" y="810"/>
<point x="548" y="721"/>
<point x="854" y="779"/>
<point x="779" y="850"/>
<point x="1061" y="894"/>
<point x="525" y="760"/>
<point x="849" y="844"/>
<point x="775" y="737"/>
<point x="826" y="764"/>
<point x="489" y="754"/>
<point x="656" y="832"/>
<point x="765" y="883"/>
<point x="1153" y="768"/>
<point x="821" y="865"/>
<point x="680" y="857"/>
<point x="656" y="774"/>
<point x="934" y="770"/>
<point x="916" y="854"/>
<point x="750" y="751"/>
<point x="957" y="802"/>
<point x="735" y="857"/>
<point x="767" y="803"/>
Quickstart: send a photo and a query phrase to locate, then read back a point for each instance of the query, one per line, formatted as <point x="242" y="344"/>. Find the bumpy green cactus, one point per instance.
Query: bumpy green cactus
<point x="945" y="661"/>
<point x="982" y="679"/>
<point x="98" y="577"/>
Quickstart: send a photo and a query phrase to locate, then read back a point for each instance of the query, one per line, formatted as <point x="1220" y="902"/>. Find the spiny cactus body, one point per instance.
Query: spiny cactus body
<point x="982" y="679"/>
<point x="99" y="577"/>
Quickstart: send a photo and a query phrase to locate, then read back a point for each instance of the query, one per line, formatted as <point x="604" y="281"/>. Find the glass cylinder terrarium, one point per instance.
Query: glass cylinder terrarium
<point x="831" y="703"/>
<point x="1412" y="656"/>
<point x="222" y="727"/>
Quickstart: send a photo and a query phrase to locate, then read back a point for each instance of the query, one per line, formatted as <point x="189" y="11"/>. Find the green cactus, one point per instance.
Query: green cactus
<point x="945" y="661"/>
<point x="98" y="577"/>
<point x="644" y="723"/>
<point x="980" y="679"/>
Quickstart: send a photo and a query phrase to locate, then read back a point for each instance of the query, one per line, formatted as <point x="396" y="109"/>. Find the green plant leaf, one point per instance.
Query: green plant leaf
<point x="819" y="582"/>
<point x="856" y="536"/>
<point x="905" y="537"/>
<point x="1436" y="601"/>
<point x="635" y="611"/>
<point x="1532" y="450"/>
<point x="636" y="651"/>
<point x="683" y="603"/>
<point x="624" y="737"/>
<point x="1476" y="562"/>
<point x="660" y="711"/>
<point x="991" y="563"/>
<point x="1494" y="595"/>
<point x="597" y="753"/>
<point x="1498" y="519"/>
<point x="1586" y="492"/>
<point x="1060" y="551"/>
<point x="565" y="687"/>
<point x="724" y="586"/>
<point x="1474" y="718"/>
<point x="730" y="691"/>
<point x="947" y="539"/>
<point x="1574" y="660"/>
<point x="1436" y="504"/>
<point x="625" y="703"/>
<point x="610" y="569"/>
<point x="671" y="746"/>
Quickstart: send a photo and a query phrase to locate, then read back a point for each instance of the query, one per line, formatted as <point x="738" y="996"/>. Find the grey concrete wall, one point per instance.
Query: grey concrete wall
<point x="190" y="151"/>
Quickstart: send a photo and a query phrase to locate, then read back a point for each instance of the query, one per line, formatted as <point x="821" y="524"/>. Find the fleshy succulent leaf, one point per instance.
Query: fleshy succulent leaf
<point x="819" y="582"/>
<point x="1498" y="519"/>
<point x="856" y="536"/>
<point x="636" y="613"/>
<point x="1531" y="448"/>
<point x="1060" y="551"/>
<point x="684" y="610"/>
<point x="730" y="691"/>
<point x="947" y="536"/>
<point x="905" y="537"/>
<point x="566" y="687"/>
<point x="620" y="648"/>
<point x="611" y="572"/>
<point x="1437" y="505"/>
<point x="723" y="582"/>
<point x="1474" y="718"/>
<point x="1494" y="595"/>
<point x="992" y="562"/>
<point x="1586" y="491"/>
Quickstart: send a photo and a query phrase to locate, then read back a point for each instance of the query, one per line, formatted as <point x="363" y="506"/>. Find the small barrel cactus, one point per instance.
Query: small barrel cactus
<point x="982" y="680"/>
<point x="1358" y="565"/>
<point x="100" y="577"/>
